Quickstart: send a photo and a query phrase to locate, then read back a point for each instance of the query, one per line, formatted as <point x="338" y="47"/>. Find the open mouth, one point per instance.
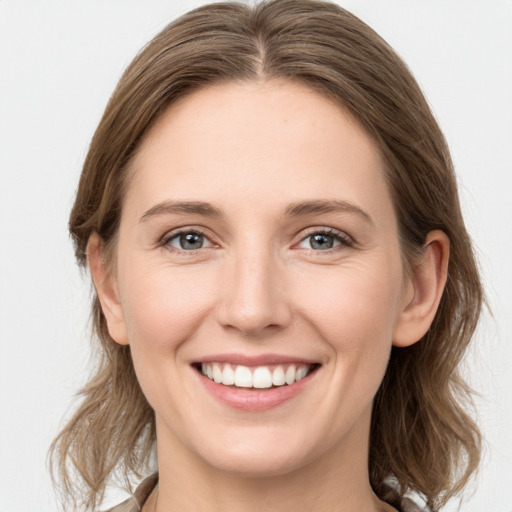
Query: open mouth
<point x="258" y="377"/>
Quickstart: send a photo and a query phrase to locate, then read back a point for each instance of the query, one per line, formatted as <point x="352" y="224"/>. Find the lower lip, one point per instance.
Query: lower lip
<point x="250" y="399"/>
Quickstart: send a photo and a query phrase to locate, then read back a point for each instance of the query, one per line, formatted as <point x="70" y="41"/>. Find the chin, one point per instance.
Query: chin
<point x="260" y="466"/>
<point x="264" y="456"/>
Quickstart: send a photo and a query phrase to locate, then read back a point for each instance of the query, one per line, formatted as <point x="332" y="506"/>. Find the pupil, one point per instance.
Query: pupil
<point x="191" y="241"/>
<point x="322" y="242"/>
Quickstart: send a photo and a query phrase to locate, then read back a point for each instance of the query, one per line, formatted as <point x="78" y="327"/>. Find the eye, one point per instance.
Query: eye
<point x="324" y="240"/>
<point x="187" y="241"/>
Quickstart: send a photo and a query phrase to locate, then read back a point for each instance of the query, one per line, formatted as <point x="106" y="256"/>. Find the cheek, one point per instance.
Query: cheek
<point x="354" y="313"/>
<point x="353" y="306"/>
<point x="162" y="306"/>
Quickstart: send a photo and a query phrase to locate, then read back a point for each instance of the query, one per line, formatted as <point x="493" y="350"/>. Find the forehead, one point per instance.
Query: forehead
<point x="276" y="140"/>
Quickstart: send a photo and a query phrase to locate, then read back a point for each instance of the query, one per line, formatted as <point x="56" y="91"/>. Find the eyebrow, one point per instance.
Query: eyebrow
<point x="293" y="210"/>
<point x="183" y="207"/>
<point x="325" y="206"/>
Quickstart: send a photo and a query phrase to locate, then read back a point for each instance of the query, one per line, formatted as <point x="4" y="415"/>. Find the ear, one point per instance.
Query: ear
<point x="423" y="290"/>
<point x="105" y="284"/>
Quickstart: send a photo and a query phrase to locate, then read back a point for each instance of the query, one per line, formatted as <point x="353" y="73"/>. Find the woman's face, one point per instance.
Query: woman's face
<point x="258" y="244"/>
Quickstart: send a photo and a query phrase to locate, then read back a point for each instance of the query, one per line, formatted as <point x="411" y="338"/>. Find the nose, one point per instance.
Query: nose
<point x="254" y="300"/>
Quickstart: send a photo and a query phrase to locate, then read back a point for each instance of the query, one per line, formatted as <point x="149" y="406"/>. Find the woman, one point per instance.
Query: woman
<point x="284" y="285"/>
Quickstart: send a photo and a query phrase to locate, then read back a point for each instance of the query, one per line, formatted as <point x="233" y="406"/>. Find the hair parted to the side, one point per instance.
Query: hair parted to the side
<point x="420" y="433"/>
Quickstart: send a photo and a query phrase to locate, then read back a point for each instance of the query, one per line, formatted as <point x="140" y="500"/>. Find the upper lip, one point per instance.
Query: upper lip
<point x="259" y="360"/>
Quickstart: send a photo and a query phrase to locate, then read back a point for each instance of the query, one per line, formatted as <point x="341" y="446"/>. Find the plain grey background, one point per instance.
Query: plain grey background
<point x="59" y="62"/>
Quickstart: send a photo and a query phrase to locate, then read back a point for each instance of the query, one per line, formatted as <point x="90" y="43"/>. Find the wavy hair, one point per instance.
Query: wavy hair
<point x="421" y="435"/>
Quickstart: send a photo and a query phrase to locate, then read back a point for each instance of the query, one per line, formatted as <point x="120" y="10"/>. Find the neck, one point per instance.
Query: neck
<point x="336" y="481"/>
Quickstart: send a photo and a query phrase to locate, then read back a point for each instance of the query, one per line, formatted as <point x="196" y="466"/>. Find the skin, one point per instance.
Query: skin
<point x="258" y="286"/>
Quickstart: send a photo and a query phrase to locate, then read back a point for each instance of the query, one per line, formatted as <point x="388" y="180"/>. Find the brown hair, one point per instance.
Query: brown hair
<point x="421" y="435"/>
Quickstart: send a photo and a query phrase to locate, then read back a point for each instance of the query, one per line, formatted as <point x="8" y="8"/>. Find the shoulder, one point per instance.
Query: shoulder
<point x="135" y="502"/>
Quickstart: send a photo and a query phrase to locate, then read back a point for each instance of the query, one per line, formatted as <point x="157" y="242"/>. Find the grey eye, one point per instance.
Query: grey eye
<point x="187" y="241"/>
<point x="320" y="242"/>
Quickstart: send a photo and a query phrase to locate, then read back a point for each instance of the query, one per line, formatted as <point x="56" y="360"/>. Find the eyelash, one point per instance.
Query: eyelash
<point x="340" y="236"/>
<point x="165" y="242"/>
<point x="343" y="238"/>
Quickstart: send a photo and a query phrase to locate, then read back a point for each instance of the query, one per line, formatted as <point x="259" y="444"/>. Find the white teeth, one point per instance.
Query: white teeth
<point x="228" y="375"/>
<point x="301" y="373"/>
<point x="278" y="376"/>
<point x="243" y="377"/>
<point x="261" y="377"/>
<point x="217" y="373"/>
<point x="290" y="374"/>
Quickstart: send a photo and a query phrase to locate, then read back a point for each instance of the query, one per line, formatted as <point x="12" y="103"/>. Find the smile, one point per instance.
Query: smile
<point x="255" y="384"/>
<point x="260" y="377"/>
